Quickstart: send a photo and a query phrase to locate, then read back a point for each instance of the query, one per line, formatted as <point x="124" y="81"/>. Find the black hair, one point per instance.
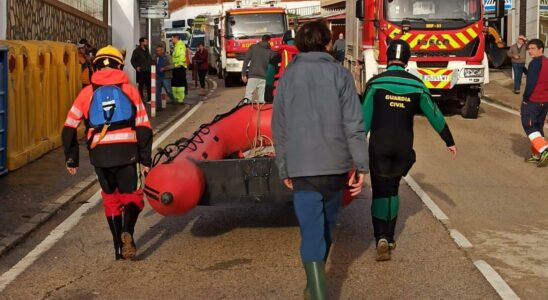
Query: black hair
<point x="83" y="41"/>
<point x="265" y="38"/>
<point x="142" y="39"/>
<point x="313" y="36"/>
<point x="536" y="42"/>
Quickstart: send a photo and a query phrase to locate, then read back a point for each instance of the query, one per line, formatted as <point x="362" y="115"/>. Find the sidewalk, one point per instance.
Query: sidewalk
<point x="501" y="89"/>
<point x="30" y="195"/>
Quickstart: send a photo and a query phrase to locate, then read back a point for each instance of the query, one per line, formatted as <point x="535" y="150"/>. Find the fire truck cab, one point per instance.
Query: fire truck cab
<point x="446" y="38"/>
<point x="229" y="35"/>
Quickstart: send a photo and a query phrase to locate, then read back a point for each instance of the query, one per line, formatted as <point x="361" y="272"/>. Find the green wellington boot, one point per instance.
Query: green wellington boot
<point x="315" y="281"/>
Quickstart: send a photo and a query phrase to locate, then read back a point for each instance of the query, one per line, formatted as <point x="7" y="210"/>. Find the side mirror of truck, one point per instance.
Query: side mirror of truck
<point x="499" y="9"/>
<point x="360" y="10"/>
<point x="216" y="21"/>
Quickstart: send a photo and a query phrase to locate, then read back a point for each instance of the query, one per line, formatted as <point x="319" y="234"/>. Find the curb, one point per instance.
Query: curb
<point x="69" y="194"/>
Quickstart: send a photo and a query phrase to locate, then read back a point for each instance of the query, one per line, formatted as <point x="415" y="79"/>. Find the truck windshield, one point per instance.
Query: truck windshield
<point x="441" y="11"/>
<point x="256" y="25"/>
<point x="195" y="41"/>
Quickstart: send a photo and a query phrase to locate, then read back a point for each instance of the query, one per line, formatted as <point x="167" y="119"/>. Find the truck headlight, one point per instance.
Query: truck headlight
<point x="473" y="72"/>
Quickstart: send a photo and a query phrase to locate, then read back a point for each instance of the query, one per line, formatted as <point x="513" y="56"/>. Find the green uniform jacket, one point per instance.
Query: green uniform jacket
<point x="179" y="55"/>
<point x="392" y="98"/>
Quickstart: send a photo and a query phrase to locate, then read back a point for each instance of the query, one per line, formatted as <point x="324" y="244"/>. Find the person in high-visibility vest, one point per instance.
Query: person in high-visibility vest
<point x="119" y="138"/>
<point x="179" y="84"/>
<point x="278" y="63"/>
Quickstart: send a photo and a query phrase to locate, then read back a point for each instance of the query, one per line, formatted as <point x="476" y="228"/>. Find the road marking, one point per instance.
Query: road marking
<point x="59" y="232"/>
<point x="502" y="288"/>
<point x="436" y="211"/>
<point x="496" y="281"/>
<point x="460" y="239"/>
<point x="506" y="109"/>
<point x="176" y="125"/>
<point x="53" y="237"/>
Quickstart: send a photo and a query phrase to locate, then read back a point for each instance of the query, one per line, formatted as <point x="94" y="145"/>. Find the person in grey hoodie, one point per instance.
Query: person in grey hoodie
<point x="254" y="69"/>
<point x="319" y="137"/>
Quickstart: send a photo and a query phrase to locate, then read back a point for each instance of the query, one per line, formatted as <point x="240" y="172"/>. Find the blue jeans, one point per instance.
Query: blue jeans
<point x="166" y="84"/>
<point x="317" y="217"/>
<point x="518" y="73"/>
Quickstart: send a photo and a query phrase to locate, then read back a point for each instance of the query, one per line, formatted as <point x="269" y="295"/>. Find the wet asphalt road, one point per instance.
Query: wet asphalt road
<point x="251" y="251"/>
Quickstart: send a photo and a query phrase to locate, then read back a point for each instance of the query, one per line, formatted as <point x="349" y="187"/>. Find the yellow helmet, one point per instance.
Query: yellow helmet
<point x="107" y="53"/>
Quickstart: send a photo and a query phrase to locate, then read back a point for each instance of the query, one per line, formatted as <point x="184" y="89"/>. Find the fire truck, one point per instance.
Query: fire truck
<point x="447" y="44"/>
<point x="229" y="34"/>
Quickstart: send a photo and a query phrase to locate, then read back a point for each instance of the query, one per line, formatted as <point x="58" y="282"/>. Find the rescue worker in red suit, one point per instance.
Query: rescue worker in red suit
<point x="120" y="154"/>
<point x="278" y="63"/>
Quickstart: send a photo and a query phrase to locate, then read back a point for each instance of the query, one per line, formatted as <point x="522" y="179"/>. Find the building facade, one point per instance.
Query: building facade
<point x="57" y="20"/>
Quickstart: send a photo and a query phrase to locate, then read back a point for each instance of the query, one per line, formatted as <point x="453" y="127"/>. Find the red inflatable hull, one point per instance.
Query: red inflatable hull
<point x="176" y="186"/>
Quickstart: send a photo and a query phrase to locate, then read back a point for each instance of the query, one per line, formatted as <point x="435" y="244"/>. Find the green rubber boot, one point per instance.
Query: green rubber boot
<point x="315" y="281"/>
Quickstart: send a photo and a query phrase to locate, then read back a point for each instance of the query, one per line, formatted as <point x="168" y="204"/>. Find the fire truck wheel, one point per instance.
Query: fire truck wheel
<point x="229" y="81"/>
<point x="470" y="110"/>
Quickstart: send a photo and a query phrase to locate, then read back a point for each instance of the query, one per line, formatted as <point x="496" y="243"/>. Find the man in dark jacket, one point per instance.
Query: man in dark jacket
<point x="319" y="137"/>
<point x="254" y="69"/>
<point x="141" y="60"/>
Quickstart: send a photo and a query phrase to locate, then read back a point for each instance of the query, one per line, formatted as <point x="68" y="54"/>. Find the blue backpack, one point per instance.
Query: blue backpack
<point x="110" y="106"/>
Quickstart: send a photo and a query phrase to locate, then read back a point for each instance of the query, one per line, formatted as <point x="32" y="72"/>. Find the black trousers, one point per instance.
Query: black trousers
<point x="201" y="76"/>
<point x="123" y="178"/>
<point x="143" y="79"/>
<point x="179" y="78"/>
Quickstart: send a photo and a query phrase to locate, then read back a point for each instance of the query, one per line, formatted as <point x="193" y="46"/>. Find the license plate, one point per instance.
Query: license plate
<point x="441" y="78"/>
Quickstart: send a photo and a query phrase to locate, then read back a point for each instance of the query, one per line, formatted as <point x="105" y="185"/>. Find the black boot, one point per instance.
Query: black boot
<point x="131" y="213"/>
<point x="115" y="225"/>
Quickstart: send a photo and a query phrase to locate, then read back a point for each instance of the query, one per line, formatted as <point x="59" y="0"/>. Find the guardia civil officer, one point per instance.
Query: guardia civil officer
<point x="392" y="99"/>
<point x="119" y="139"/>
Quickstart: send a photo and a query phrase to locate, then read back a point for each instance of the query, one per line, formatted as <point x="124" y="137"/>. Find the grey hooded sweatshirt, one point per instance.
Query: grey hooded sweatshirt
<point x="317" y="122"/>
<point x="257" y="57"/>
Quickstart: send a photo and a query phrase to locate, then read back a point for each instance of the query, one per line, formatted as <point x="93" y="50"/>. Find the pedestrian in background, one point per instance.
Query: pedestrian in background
<point x="535" y="103"/>
<point x="141" y="60"/>
<point x="179" y="84"/>
<point x="392" y="99"/>
<point x="254" y="68"/>
<point x="201" y="63"/>
<point x="119" y="139"/>
<point x="278" y="63"/>
<point x="164" y="65"/>
<point x="339" y="47"/>
<point x="84" y="59"/>
<point x="517" y="53"/>
<point x="319" y="137"/>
